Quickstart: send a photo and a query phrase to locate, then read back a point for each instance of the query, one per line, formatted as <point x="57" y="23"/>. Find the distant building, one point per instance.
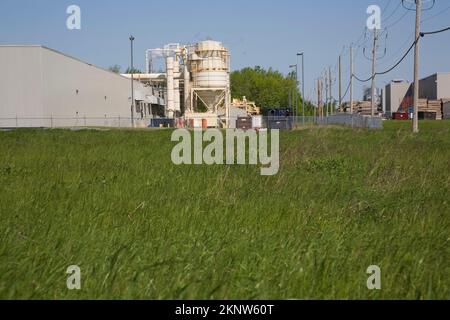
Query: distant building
<point x="40" y="87"/>
<point x="446" y="109"/>
<point x="436" y="86"/>
<point x="396" y="96"/>
<point x="367" y="95"/>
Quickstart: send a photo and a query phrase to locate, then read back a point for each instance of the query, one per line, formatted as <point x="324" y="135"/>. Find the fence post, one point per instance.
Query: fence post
<point x="17" y="122"/>
<point x="119" y="121"/>
<point x="51" y="121"/>
<point x="85" y="121"/>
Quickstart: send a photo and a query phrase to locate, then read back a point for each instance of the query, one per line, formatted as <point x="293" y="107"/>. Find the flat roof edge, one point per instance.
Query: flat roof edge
<point x="21" y="46"/>
<point x="60" y="53"/>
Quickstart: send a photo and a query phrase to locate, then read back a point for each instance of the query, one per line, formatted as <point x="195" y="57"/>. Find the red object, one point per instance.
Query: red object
<point x="400" y="116"/>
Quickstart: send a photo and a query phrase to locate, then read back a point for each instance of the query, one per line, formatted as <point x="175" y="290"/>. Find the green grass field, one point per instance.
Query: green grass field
<point x="141" y="228"/>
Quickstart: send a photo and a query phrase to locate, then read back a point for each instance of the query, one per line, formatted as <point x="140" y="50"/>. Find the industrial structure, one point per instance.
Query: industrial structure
<point x="40" y="87"/>
<point x="197" y="81"/>
<point x="395" y="96"/>
<point x="434" y="92"/>
<point x="436" y="86"/>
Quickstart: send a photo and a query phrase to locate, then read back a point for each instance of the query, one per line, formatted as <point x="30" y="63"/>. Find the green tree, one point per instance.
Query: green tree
<point x="115" y="68"/>
<point x="268" y="88"/>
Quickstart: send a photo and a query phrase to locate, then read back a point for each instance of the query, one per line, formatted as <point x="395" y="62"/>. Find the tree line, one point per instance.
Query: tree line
<point x="267" y="88"/>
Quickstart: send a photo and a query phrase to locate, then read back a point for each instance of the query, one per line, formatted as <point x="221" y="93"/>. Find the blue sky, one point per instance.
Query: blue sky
<point x="267" y="33"/>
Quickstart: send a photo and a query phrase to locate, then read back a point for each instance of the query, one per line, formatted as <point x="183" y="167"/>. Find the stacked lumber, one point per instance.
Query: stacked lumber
<point x="364" y="108"/>
<point x="423" y="104"/>
<point x="433" y="106"/>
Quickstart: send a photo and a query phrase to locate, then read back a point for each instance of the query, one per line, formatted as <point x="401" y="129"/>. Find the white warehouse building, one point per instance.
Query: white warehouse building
<point x="40" y="87"/>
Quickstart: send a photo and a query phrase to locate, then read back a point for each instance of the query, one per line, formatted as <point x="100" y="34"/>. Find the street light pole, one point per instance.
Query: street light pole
<point x="296" y="92"/>
<point x="303" y="86"/>
<point x="295" y="98"/>
<point x="132" y="83"/>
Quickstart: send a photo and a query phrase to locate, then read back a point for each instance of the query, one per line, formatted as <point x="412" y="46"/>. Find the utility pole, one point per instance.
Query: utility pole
<point x="331" y="91"/>
<point x="374" y="58"/>
<point x="295" y="93"/>
<point x="303" y="86"/>
<point x="416" y="67"/>
<point x="351" y="79"/>
<point x="322" y="95"/>
<point x="319" y="97"/>
<point x="303" y="89"/>
<point x="132" y="83"/>
<point x="326" y="93"/>
<point x="340" y="81"/>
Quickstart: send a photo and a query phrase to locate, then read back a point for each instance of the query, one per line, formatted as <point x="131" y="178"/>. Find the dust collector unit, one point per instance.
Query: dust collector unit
<point x="209" y="65"/>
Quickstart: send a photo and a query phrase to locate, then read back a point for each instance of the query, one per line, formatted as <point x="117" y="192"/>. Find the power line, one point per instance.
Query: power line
<point x="346" y="91"/>
<point x="363" y="39"/>
<point x="387" y="5"/>
<point x="394" y="12"/>
<point x="411" y="38"/>
<point x="434" y="32"/>
<point x="422" y="34"/>
<point x="389" y="70"/>
<point x="399" y="20"/>
<point x="385" y="46"/>
<point x="433" y="2"/>
<point x="400" y="49"/>
<point x="436" y="15"/>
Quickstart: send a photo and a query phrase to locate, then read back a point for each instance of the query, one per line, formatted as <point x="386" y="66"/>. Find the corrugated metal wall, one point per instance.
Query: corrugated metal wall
<point x="37" y="82"/>
<point x="21" y="91"/>
<point x="428" y="88"/>
<point x="443" y="89"/>
<point x="435" y="87"/>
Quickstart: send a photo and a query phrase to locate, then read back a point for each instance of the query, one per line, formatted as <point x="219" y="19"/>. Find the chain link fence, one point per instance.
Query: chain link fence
<point x="67" y="122"/>
<point x="352" y="120"/>
<point x="256" y="122"/>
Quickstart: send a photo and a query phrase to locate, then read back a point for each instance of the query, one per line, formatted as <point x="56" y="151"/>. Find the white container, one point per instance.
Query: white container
<point x="257" y="122"/>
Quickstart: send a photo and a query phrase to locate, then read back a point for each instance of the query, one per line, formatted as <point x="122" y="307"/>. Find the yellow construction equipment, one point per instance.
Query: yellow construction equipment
<point x="249" y="106"/>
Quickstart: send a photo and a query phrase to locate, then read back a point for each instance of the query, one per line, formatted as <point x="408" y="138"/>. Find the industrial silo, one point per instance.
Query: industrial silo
<point x="209" y="67"/>
<point x="201" y="74"/>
